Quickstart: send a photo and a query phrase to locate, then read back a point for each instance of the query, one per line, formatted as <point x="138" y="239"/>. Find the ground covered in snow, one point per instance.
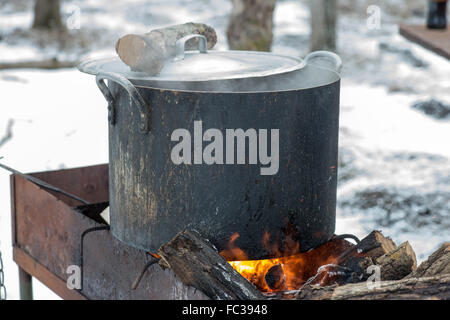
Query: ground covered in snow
<point x="394" y="167"/>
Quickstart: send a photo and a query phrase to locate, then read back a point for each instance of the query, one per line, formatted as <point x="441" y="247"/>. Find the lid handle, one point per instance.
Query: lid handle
<point x="181" y="45"/>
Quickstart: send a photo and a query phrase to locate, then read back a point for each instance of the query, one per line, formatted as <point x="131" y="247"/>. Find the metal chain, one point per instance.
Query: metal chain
<point x="2" y="280"/>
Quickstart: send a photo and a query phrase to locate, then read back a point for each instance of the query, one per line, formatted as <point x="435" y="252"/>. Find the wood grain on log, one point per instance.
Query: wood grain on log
<point x="407" y="289"/>
<point x="398" y="263"/>
<point x="437" y="264"/>
<point x="148" y="52"/>
<point x="374" y="246"/>
<point x="197" y="263"/>
<point x="375" y="249"/>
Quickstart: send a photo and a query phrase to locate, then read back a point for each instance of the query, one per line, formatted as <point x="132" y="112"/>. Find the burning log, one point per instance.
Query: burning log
<point x="197" y="263"/>
<point x="296" y="269"/>
<point x="407" y="289"/>
<point x="275" y="278"/>
<point x="148" y="52"/>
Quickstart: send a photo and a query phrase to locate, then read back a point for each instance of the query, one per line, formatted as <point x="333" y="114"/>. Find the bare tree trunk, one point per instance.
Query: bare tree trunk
<point x="323" y="24"/>
<point x="47" y="15"/>
<point x="250" y="26"/>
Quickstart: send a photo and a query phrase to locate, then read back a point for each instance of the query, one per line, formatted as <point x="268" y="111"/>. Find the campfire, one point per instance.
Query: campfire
<point x="288" y="272"/>
<point x="338" y="269"/>
<point x="192" y="261"/>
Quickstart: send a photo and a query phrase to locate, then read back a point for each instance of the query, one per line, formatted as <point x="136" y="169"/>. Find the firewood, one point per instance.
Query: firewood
<point x="375" y="249"/>
<point x="197" y="263"/>
<point x="437" y="264"/>
<point x="351" y="266"/>
<point x="374" y="246"/>
<point x="407" y="289"/>
<point x="398" y="263"/>
<point x="148" y="52"/>
<point x="356" y="269"/>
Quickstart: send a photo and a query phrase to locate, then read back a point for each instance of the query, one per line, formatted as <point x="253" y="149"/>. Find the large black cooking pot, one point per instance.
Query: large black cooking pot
<point x="152" y="198"/>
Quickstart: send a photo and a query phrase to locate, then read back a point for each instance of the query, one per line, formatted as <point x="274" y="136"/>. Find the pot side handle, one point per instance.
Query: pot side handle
<point x="134" y="95"/>
<point x="325" y="59"/>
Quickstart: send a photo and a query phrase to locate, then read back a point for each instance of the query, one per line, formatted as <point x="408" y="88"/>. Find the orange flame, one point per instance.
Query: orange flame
<point x="296" y="267"/>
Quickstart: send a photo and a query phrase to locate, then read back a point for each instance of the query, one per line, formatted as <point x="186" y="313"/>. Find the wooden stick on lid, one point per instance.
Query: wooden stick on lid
<point x="148" y="52"/>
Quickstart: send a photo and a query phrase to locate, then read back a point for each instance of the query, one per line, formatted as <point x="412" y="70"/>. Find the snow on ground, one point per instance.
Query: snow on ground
<point x="394" y="169"/>
<point x="394" y="160"/>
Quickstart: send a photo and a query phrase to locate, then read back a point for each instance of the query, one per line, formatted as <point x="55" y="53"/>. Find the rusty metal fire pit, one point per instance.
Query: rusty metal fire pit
<point x="46" y="231"/>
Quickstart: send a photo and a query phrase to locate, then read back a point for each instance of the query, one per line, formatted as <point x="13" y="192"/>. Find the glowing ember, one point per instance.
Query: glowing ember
<point x="287" y="273"/>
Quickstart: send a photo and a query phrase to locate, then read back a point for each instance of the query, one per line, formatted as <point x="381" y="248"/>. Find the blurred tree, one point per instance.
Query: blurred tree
<point x="323" y="24"/>
<point x="47" y="15"/>
<point x="250" y="25"/>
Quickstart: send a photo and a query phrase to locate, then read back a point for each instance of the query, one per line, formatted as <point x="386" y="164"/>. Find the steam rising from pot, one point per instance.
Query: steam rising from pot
<point x="308" y="77"/>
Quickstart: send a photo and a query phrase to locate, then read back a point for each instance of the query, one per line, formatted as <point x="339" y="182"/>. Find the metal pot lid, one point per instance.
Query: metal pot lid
<point x="203" y="65"/>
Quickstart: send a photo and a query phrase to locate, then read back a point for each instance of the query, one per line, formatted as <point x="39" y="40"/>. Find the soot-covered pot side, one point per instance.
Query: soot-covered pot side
<point x="152" y="198"/>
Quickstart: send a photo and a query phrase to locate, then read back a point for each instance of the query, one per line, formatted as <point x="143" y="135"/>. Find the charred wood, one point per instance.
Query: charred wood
<point x="275" y="278"/>
<point x="352" y="266"/>
<point x="398" y="263"/>
<point x="197" y="263"/>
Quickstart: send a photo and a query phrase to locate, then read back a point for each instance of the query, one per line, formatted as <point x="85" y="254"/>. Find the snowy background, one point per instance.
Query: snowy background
<point x="394" y="159"/>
